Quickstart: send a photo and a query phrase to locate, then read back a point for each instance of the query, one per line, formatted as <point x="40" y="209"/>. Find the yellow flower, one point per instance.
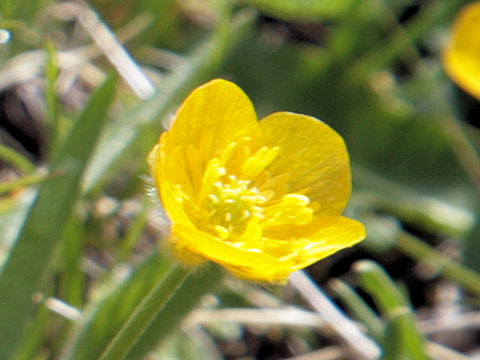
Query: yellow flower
<point x="462" y="54"/>
<point x="263" y="199"/>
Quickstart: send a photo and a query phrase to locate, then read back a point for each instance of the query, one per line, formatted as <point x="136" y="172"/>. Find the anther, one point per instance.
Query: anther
<point x="214" y="198"/>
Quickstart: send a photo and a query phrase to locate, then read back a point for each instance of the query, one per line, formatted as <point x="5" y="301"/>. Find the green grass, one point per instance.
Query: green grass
<point x="82" y="241"/>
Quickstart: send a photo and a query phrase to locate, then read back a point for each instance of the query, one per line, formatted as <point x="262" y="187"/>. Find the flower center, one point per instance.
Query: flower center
<point x="232" y="203"/>
<point x="238" y="199"/>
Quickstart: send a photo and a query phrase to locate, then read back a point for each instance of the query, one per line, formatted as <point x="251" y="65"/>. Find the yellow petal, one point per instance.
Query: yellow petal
<point x="333" y="234"/>
<point x="278" y="275"/>
<point x="314" y="155"/>
<point x="253" y="264"/>
<point x="324" y="237"/>
<point x="462" y="54"/>
<point x="225" y="253"/>
<point x="211" y="118"/>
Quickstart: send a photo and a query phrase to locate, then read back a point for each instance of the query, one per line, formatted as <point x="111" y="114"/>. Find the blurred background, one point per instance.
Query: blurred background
<point x="79" y="258"/>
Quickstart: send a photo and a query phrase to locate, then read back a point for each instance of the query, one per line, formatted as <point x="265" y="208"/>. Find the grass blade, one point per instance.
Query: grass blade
<point x="145" y="313"/>
<point x="104" y="316"/>
<point x="358" y="308"/>
<point x="401" y="340"/>
<point x="169" y="320"/>
<point x="26" y="266"/>
<point x="421" y="251"/>
<point x="16" y="159"/>
<point x="303" y="9"/>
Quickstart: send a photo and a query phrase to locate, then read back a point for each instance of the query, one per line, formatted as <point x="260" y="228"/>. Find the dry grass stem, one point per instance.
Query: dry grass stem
<point x="342" y="326"/>
<point x="263" y="317"/>
<point x="116" y="53"/>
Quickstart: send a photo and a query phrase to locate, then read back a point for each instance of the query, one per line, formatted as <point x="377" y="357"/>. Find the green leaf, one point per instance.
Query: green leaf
<point x="12" y="9"/>
<point x="51" y="73"/>
<point x="381" y="287"/>
<point x="168" y="321"/>
<point x="147" y="309"/>
<point x="36" y="334"/>
<point x="188" y="347"/>
<point x="302" y="9"/>
<point x="103" y="318"/>
<point x="16" y="159"/>
<point x="12" y="185"/>
<point x="12" y="215"/>
<point x="358" y="307"/>
<point x="421" y="251"/>
<point x="405" y="38"/>
<point x="105" y="315"/>
<point x="72" y="280"/>
<point x="472" y="251"/>
<point x="27" y="264"/>
<point x="401" y="340"/>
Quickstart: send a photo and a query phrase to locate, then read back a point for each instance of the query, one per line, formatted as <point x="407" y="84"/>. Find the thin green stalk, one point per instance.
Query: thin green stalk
<point x="52" y="72"/>
<point x="135" y="230"/>
<point x="404" y="38"/>
<point x="357" y="306"/>
<point x="401" y="339"/>
<point x="144" y="314"/>
<point x="16" y="159"/>
<point x="387" y="295"/>
<point x="417" y="249"/>
<point x="22" y="182"/>
<point x="463" y="148"/>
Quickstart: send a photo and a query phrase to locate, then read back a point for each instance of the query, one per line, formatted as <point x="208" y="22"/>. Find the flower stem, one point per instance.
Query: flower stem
<point x="144" y="314"/>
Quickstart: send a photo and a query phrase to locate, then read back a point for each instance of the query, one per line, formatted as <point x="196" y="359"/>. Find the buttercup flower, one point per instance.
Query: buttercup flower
<point x="462" y="54"/>
<point x="261" y="198"/>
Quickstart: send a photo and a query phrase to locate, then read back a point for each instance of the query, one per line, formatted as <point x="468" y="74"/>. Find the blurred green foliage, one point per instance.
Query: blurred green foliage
<point x="76" y="225"/>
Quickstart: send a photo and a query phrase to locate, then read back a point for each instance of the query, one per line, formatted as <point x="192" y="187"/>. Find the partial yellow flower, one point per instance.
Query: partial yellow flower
<point x="263" y="199"/>
<point x="462" y="54"/>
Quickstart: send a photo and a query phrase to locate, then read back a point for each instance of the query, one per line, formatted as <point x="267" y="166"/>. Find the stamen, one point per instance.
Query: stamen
<point x="293" y="209"/>
<point x="237" y="198"/>
<point x="232" y="205"/>
<point x="214" y="198"/>
<point x="257" y="163"/>
<point x="222" y="232"/>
